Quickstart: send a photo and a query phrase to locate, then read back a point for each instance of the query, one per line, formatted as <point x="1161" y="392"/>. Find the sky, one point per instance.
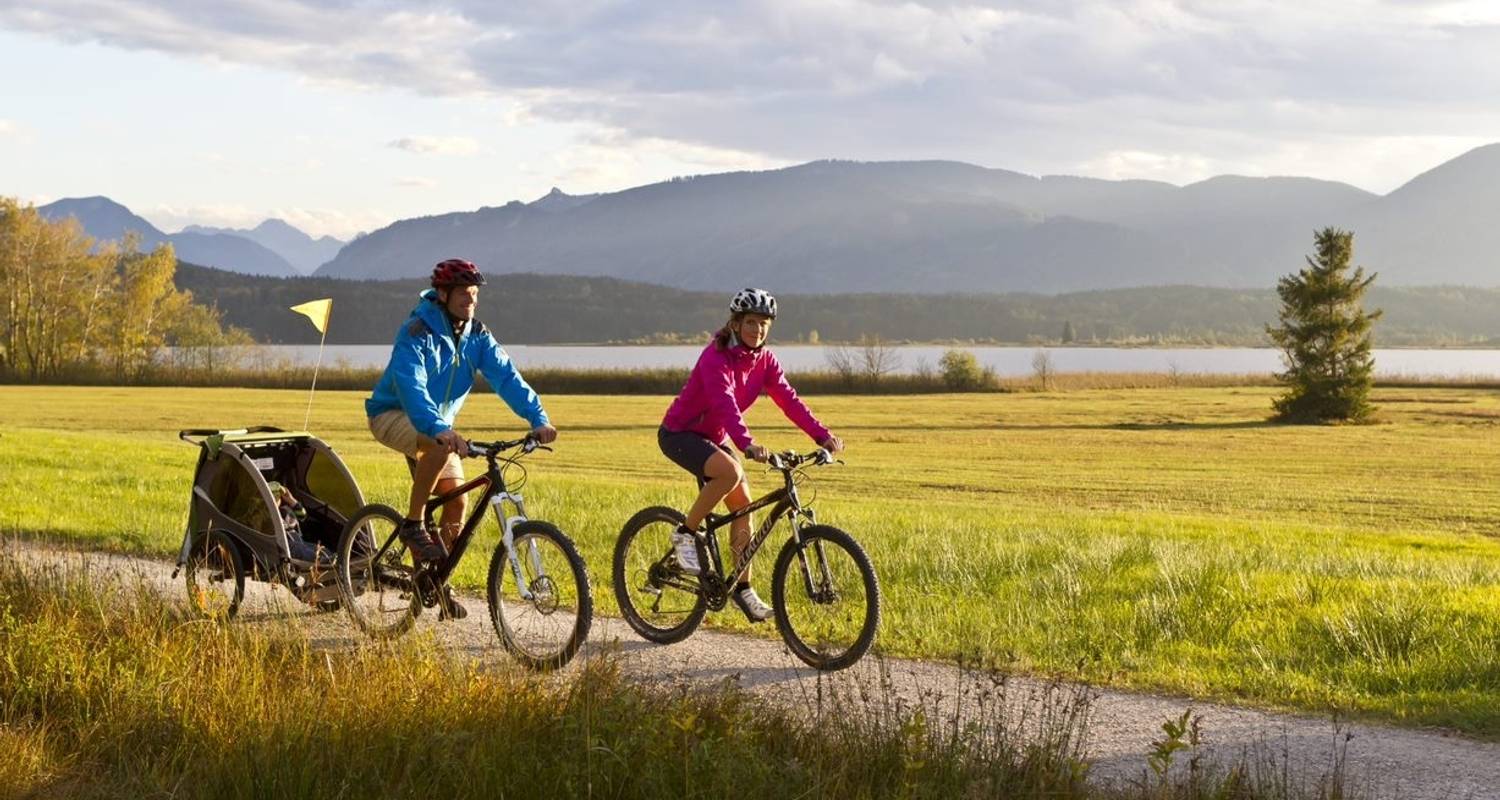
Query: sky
<point x="345" y="115"/>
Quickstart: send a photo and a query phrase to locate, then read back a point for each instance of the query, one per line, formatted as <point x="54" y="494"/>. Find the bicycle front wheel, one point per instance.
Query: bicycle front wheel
<point x="657" y="599"/>
<point x="826" y="597"/>
<point x="376" y="574"/>
<point x="540" y="600"/>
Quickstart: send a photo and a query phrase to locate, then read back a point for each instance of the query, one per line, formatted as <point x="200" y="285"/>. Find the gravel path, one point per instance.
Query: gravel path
<point x="1388" y="762"/>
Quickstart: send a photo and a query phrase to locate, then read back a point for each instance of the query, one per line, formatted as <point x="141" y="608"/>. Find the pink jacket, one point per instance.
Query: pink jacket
<point x="724" y="384"/>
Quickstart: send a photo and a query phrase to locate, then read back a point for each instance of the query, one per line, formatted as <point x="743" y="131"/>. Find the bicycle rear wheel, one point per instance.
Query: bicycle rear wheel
<point x="376" y="574"/>
<point x="540" y="600"/>
<point x="826" y="598"/>
<point x="658" y="601"/>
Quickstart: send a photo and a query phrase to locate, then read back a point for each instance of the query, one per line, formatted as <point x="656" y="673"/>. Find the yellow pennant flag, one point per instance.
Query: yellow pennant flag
<point x="317" y="311"/>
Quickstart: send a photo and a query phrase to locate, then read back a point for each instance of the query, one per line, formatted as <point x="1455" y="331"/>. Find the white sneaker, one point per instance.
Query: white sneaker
<point x="749" y="602"/>
<point x="686" y="547"/>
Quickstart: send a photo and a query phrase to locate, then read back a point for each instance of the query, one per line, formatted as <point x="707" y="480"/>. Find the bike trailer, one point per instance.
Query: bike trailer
<point x="237" y="526"/>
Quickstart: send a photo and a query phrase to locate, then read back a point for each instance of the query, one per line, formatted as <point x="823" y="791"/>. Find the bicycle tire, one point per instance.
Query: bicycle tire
<point x="369" y="528"/>
<point x="812" y="644"/>
<point x="212" y="560"/>
<point x="545" y="600"/>
<point x="633" y="564"/>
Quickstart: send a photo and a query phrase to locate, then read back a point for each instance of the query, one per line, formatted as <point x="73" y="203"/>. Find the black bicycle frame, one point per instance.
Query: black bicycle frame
<point x="494" y="486"/>
<point x="785" y="504"/>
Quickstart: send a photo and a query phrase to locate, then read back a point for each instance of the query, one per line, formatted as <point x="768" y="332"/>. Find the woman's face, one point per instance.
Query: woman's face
<point x="754" y="329"/>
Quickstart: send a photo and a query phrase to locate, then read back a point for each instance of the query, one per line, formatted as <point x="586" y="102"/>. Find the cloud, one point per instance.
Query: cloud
<point x="610" y="158"/>
<point x="1031" y="84"/>
<point x="7" y="127"/>
<point x="437" y="145"/>
<point x="416" y="183"/>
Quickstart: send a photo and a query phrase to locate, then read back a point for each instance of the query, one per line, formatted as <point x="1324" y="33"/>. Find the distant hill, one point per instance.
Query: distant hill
<point x="303" y="252"/>
<point x="543" y="309"/>
<point x="1440" y="227"/>
<point x="933" y="226"/>
<point x="106" y="220"/>
<point x="229" y="252"/>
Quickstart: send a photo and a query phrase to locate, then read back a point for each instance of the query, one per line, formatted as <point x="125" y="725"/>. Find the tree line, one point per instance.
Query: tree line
<point x="73" y="307"/>
<point x="558" y="309"/>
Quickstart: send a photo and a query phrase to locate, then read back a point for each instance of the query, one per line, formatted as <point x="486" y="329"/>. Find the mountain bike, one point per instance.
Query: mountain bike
<point x="823" y="588"/>
<point x="538" y="591"/>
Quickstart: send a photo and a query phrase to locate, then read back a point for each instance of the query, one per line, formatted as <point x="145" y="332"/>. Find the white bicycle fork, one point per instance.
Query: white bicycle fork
<point x="507" y="538"/>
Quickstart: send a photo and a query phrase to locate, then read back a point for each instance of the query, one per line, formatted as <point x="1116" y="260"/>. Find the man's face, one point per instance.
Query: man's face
<point x="754" y="329"/>
<point x="460" y="301"/>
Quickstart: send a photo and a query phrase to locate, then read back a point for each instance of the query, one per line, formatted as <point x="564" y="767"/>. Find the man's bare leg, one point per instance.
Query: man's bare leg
<point x="453" y="511"/>
<point x="425" y="478"/>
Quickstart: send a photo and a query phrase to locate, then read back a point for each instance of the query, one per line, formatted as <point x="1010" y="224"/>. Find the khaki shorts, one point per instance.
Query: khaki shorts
<point x="394" y="430"/>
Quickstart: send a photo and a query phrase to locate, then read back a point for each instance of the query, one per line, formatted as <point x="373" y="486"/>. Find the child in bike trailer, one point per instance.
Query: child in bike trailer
<point x="292" y="514"/>
<point x="437" y="351"/>
<point x="731" y="373"/>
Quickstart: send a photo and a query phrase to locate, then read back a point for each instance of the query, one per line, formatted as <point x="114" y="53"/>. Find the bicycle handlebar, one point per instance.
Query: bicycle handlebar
<point x="790" y="460"/>
<point x="527" y="443"/>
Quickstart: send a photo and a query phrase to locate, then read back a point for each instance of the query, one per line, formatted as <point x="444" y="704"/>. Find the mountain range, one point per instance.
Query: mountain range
<point x="303" y="252"/>
<point x="273" y="248"/>
<point x="917" y="226"/>
<point x="942" y="226"/>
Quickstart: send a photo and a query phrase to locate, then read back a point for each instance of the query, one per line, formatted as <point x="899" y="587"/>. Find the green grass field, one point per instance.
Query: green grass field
<point x="1163" y="539"/>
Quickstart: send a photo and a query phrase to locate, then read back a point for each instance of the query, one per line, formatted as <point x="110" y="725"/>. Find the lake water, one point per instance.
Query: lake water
<point x="1007" y="361"/>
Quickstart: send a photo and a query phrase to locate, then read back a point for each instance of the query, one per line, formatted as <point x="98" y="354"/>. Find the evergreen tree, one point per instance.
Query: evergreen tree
<point x="1324" y="336"/>
<point x="1067" y="333"/>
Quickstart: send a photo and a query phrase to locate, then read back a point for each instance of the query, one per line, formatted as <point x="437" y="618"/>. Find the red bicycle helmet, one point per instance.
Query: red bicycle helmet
<point x="456" y="272"/>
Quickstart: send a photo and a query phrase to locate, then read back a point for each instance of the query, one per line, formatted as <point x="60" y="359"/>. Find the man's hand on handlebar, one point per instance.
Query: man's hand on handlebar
<point x="454" y="443"/>
<point x="544" y="434"/>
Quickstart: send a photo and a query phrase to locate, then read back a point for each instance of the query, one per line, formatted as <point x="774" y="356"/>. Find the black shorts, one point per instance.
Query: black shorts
<point x="689" y="450"/>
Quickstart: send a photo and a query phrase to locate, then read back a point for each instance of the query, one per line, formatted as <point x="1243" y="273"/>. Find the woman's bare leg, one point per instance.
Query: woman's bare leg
<point x="739" y="530"/>
<point x="723" y="473"/>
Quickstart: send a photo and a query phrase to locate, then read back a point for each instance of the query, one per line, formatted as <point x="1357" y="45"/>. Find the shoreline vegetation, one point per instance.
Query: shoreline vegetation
<point x="109" y="689"/>
<point x="284" y="374"/>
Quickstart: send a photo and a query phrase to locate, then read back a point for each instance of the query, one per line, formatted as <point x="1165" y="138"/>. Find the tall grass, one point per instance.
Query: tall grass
<point x="107" y="690"/>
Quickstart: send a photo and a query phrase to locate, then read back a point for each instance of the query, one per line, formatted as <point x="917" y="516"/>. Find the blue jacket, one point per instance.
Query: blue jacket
<point x="429" y="377"/>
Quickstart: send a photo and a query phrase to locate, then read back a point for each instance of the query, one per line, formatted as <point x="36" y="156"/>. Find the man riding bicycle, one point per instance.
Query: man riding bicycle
<point x="431" y="371"/>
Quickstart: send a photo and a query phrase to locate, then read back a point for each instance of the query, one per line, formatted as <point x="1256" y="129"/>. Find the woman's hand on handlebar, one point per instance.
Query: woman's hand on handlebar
<point x="832" y="444"/>
<point x="756" y="452"/>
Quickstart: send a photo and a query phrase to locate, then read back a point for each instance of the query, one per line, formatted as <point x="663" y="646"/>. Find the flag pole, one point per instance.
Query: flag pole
<point x="317" y="312"/>
<point x="308" y="417"/>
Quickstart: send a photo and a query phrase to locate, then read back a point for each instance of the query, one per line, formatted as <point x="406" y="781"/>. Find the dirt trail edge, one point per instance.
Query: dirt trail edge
<point x="1391" y="762"/>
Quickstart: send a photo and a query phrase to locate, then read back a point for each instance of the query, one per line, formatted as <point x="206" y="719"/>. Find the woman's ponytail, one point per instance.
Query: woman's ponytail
<point x="725" y="334"/>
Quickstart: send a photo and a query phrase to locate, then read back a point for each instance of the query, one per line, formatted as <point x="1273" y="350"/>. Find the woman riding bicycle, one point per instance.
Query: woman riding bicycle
<point x="730" y="374"/>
